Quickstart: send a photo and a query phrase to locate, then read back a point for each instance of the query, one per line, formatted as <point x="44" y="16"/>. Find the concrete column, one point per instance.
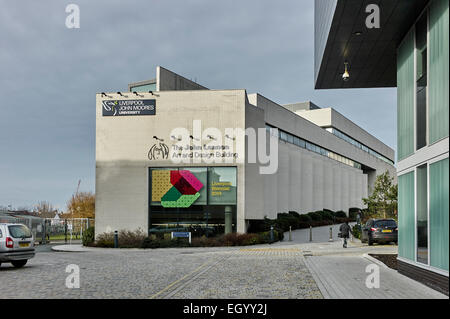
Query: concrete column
<point x="228" y="219"/>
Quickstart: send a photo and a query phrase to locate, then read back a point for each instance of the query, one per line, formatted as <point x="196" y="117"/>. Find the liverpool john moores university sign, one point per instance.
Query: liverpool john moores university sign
<point x="128" y="107"/>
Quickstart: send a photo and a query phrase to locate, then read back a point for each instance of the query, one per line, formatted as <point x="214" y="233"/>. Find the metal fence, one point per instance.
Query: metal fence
<point x="47" y="230"/>
<point x="67" y="230"/>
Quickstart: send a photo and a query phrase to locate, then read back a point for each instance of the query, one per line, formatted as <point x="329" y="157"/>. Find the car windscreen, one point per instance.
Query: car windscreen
<point x="385" y="223"/>
<point x="19" y="231"/>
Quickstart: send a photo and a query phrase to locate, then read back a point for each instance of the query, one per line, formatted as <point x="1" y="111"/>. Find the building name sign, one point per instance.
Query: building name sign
<point x="128" y="107"/>
<point x="202" y="151"/>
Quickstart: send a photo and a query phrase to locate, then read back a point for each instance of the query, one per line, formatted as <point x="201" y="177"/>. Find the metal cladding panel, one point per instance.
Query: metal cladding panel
<point x="370" y="52"/>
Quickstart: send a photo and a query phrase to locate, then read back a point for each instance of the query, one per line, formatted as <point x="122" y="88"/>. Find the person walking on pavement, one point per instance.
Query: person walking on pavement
<point x="345" y="232"/>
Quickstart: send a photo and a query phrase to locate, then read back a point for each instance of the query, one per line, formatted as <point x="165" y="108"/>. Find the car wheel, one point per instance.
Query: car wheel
<point x="19" y="263"/>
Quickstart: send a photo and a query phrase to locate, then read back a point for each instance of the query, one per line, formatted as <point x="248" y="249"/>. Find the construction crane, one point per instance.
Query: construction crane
<point x="78" y="187"/>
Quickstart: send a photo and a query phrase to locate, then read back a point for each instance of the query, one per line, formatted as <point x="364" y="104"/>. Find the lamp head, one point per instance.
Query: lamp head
<point x="346" y="75"/>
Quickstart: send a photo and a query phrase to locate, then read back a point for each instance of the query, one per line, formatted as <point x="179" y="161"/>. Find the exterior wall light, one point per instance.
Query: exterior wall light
<point x="346" y="75"/>
<point x="228" y="136"/>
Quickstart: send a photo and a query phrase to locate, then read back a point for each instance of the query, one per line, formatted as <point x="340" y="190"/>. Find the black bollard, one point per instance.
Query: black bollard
<point x="116" y="239"/>
<point x="271" y="234"/>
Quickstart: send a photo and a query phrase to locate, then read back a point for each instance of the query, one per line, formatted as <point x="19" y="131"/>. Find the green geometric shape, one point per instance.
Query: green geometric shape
<point x="172" y="195"/>
<point x="183" y="201"/>
<point x="187" y="200"/>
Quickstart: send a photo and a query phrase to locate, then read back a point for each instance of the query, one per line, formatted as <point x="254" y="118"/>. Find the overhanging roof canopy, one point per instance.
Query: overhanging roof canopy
<point x="372" y="54"/>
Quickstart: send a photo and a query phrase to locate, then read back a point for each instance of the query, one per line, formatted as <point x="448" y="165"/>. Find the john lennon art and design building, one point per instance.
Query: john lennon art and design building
<point x="323" y="160"/>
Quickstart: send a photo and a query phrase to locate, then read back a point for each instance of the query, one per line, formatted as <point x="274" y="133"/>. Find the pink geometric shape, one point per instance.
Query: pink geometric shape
<point x="191" y="179"/>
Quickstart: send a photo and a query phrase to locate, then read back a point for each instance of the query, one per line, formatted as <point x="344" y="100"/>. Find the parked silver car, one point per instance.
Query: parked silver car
<point x="16" y="244"/>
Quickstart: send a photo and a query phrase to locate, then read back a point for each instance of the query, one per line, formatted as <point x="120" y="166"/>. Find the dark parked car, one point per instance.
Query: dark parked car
<point x="379" y="231"/>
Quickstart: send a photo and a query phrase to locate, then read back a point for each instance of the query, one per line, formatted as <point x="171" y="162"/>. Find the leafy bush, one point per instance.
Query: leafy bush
<point x="149" y="242"/>
<point x="88" y="236"/>
<point x="284" y="220"/>
<point x="131" y="239"/>
<point x="352" y="213"/>
<point x="105" y="240"/>
<point x="305" y="218"/>
<point x="325" y="215"/>
<point x="340" y="214"/>
<point x="294" y="214"/>
<point x="356" y="230"/>
<point x="315" y="216"/>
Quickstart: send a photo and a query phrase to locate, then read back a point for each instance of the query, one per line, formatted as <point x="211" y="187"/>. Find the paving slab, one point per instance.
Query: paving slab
<point x="344" y="277"/>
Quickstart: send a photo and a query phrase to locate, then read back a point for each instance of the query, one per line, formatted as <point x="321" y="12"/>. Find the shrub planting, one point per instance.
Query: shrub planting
<point x="137" y="239"/>
<point x="88" y="236"/>
<point x="315" y="216"/>
<point x="340" y="214"/>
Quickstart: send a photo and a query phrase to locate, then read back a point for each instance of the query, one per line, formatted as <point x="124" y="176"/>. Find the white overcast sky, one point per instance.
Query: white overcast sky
<point x="49" y="75"/>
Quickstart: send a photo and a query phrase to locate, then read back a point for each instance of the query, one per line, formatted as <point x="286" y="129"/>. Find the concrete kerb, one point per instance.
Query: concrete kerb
<point x="378" y="262"/>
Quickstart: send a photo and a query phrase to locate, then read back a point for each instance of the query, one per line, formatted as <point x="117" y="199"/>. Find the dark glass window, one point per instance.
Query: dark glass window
<point x="422" y="215"/>
<point x="421" y="80"/>
<point x="19" y="231"/>
<point x="385" y="223"/>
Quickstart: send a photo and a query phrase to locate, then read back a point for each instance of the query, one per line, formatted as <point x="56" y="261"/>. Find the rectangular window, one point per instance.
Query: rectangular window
<point x="439" y="208"/>
<point x="405" y="97"/>
<point x="290" y="138"/>
<point x="438" y="53"/>
<point x="222" y="186"/>
<point x="422" y="214"/>
<point x="302" y="143"/>
<point x="144" y="88"/>
<point x="421" y="82"/>
<point x="406" y="229"/>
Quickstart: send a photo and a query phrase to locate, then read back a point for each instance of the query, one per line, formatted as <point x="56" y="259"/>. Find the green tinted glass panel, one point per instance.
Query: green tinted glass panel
<point x="439" y="70"/>
<point x="405" y="97"/>
<point x="439" y="211"/>
<point x="144" y="88"/>
<point x="222" y="186"/>
<point x="406" y="223"/>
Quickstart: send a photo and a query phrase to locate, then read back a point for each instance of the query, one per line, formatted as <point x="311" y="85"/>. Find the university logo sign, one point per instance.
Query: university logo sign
<point x="128" y="107"/>
<point x="175" y="188"/>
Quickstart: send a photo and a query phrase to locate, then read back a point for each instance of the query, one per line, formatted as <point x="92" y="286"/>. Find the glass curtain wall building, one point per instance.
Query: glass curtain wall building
<point x="409" y="51"/>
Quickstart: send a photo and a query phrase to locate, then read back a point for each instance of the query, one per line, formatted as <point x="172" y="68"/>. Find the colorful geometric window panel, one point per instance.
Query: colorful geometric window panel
<point x="175" y="188"/>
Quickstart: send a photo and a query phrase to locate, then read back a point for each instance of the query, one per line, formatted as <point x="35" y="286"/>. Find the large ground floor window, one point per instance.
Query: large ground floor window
<point x="423" y="204"/>
<point x="197" y="199"/>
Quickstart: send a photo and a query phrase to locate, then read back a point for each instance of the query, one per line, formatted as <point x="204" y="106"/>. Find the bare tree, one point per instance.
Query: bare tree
<point x="45" y="209"/>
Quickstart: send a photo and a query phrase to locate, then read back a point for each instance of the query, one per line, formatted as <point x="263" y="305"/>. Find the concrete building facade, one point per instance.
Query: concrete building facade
<point x="149" y="176"/>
